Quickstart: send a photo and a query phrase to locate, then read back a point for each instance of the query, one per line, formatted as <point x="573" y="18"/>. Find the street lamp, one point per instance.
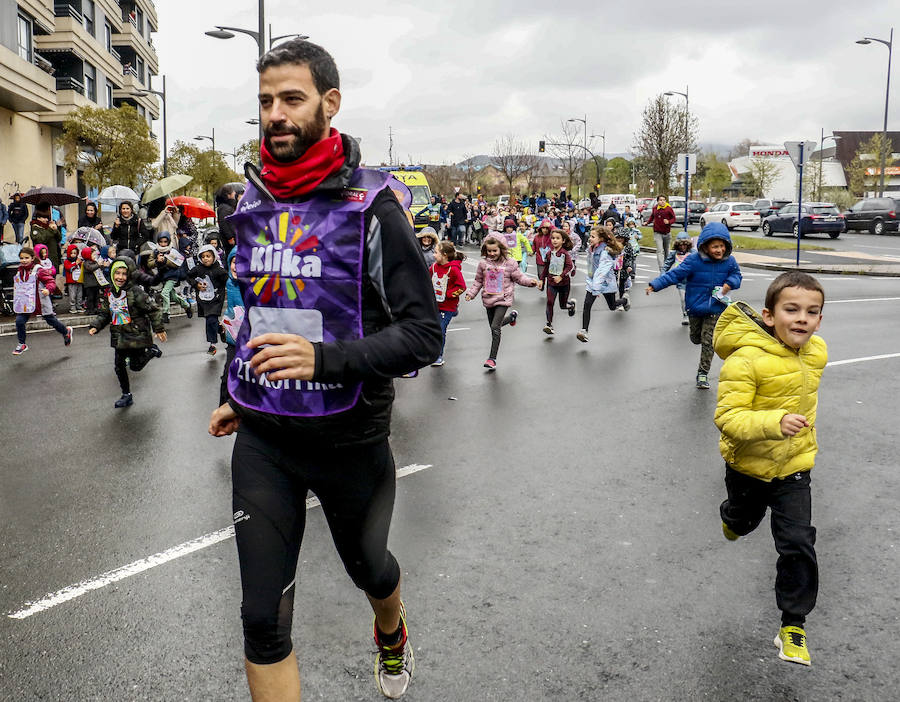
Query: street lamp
<point x="259" y="36"/>
<point x="603" y="156"/>
<point x="822" y="156"/>
<point x="162" y="94"/>
<point x="887" y="94"/>
<point x="584" y="122"/>
<point x="234" y="155"/>
<point x="201" y="137"/>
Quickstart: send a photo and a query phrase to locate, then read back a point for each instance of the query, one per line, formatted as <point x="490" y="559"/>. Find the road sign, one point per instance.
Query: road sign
<point x="686" y="162"/>
<point x="794" y="151"/>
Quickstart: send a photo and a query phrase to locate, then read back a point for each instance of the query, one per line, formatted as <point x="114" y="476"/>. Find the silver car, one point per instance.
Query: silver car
<point x="732" y="215"/>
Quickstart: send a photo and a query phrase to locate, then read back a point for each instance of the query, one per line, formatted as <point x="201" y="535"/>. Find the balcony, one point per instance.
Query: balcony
<point x="70" y="83"/>
<point x="24" y="87"/>
<point x="65" y="9"/>
<point x="129" y="38"/>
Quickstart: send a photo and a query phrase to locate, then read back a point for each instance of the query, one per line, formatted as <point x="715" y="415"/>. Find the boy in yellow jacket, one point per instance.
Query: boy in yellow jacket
<point x="766" y="412"/>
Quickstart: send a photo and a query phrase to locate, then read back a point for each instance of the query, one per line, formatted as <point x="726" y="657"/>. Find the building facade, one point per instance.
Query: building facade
<point x="56" y="56"/>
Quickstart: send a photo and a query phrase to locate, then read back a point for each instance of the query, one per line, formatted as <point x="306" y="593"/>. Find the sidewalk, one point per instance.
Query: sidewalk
<point x="841" y="262"/>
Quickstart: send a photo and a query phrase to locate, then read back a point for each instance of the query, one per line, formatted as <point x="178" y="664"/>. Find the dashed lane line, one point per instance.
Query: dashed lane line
<point x="863" y="358"/>
<point x="157" y="559"/>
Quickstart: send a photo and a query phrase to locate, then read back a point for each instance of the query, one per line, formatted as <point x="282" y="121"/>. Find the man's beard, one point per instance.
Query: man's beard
<point x="304" y="137"/>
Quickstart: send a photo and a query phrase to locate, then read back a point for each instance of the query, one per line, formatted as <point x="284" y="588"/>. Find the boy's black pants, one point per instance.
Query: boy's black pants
<point x="797" y="571"/>
<point x="137" y="359"/>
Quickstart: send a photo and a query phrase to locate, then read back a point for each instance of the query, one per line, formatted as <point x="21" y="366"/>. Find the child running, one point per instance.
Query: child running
<point x="130" y="313"/>
<point x="625" y="267"/>
<point x="496" y="279"/>
<point x="209" y="279"/>
<point x="603" y="249"/>
<point x="33" y="285"/>
<point x="709" y="274"/>
<point x="448" y="282"/>
<point x="766" y="412"/>
<point x="558" y="268"/>
<point x="541" y="246"/>
<point x="680" y="249"/>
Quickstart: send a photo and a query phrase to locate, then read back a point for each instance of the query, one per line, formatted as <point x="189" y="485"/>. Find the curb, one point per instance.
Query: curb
<point x="76" y="322"/>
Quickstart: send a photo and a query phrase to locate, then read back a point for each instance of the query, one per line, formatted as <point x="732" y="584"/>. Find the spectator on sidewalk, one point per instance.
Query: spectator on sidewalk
<point x="18" y="216"/>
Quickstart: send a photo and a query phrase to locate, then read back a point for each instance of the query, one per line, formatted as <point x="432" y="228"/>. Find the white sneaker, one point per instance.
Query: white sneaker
<point x="394" y="665"/>
<point x="438" y="362"/>
<point x="582" y="335"/>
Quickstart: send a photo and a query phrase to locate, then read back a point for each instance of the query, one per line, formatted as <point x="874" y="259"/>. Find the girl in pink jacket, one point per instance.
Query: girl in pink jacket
<point x="496" y="279"/>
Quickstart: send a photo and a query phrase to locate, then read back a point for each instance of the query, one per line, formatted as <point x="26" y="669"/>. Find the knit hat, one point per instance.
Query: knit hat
<point x="164" y="235"/>
<point x="509" y="223"/>
<point x="87" y="253"/>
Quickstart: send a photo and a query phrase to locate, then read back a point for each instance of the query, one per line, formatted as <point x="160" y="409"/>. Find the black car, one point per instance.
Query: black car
<point x="817" y="218"/>
<point x="877" y="214"/>
<point x="696" y="208"/>
<point x="768" y="207"/>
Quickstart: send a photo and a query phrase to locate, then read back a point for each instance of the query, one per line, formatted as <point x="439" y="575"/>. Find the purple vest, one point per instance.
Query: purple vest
<point x="299" y="269"/>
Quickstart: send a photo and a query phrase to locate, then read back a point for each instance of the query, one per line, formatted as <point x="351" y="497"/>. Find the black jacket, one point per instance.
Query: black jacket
<point x="458" y="213"/>
<point x="218" y="276"/>
<point x="18" y="212"/>
<point x="226" y="228"/>
<point x="130" y="234"/>
<point x="401" y="331"/>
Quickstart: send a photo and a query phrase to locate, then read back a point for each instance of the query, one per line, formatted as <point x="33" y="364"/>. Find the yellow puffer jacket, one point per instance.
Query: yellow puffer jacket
<point x="761" y="381"/>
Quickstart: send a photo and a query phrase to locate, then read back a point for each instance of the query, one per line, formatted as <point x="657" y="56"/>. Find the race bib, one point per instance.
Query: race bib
<point x="118" y="308"/>
<point x="208" y="292"/>
<point x="440" y="286"/>
<point x="557" y="265"/>
<point x="493" y="281"/>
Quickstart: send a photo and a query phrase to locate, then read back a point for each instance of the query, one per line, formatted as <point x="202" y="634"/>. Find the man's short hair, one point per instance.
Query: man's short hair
<point x="300" y="52"/>
<point x="791" y="279"/>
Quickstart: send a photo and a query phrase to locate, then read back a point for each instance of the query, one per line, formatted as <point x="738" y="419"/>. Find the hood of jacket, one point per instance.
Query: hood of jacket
<point x="228" y="260"/>
<point x="739" y="326"/>
<point x="714" y="230"/>
<point x="129" y="266"/>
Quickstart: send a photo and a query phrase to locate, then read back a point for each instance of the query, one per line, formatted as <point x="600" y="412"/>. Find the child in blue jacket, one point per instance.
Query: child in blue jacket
<point x="231" y="321"/>
<point x="709" y="274"/>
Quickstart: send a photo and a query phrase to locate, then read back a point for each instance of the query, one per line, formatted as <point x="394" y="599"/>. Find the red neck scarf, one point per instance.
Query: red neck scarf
<point x="301" y="177"/>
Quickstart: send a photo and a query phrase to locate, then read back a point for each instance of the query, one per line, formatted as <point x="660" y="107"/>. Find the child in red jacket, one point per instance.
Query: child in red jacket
<point x="449" y="284"/>
<point x="74" y="269"/>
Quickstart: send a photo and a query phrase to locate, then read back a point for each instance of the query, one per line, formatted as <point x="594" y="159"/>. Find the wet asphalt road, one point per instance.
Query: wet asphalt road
<point x="564" y="543"/>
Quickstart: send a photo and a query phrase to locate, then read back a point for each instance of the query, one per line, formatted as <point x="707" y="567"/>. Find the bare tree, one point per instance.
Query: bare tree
<point x="513" y="159"/>
<point x="762" y="174"/>
<point x="567" y="148"/>
<point x="467" y="173"/>
<point x="666" y="130"/>
<point x="442" y="179"/>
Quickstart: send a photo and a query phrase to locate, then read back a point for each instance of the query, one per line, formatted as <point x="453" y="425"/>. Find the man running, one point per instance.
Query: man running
<point x="338" y="302"/>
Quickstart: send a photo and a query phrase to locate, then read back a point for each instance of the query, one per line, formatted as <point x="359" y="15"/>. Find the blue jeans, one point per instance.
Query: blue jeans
<point x="446" y="318"/>
<point x="19" y="229"/>
<point x="51" y="319"/>
<point x="458" y="234"/>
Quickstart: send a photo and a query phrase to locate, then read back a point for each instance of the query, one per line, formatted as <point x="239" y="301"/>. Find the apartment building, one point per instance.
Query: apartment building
<point x="58" y="55"/>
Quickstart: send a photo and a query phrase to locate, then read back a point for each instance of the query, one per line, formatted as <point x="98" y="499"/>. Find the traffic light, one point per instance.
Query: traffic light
<point x="541" y="145"/>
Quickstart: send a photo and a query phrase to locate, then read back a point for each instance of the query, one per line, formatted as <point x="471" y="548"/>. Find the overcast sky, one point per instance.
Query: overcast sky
<point x="450" y="78"/>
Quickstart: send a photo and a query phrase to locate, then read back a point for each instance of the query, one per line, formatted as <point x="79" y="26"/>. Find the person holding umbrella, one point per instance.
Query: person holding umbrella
<point x="18" y="216"/>
<point x="45" y="231"/>
<point x="129" y="231"/>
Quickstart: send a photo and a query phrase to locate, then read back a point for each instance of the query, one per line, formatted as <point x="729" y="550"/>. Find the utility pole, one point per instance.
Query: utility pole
<point x="390" y="145"/>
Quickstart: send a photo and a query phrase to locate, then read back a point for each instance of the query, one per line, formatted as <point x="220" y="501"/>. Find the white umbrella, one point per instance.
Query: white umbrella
<point x="115" y="195"/>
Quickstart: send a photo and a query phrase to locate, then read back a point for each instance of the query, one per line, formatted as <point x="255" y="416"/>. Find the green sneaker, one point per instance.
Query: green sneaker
<point x="791" y="642"/>
<point x="394" y="665"/>
<point x="729" y="534"/>
<point x="702" y="381"/>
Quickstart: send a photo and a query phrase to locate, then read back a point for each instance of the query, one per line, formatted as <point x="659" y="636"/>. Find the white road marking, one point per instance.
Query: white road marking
<point x="863" y="358"/>
<point x="456" y="329"/>
<point x="139" y="566"/>
<point x="863" y="299"/>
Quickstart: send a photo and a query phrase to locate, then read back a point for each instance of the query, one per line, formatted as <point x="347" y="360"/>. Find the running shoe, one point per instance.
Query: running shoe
<point x="211" y="350"/>
<point x="685" y="321"/>
<point x="571" y="307"/>
<point x="189" y="311"/>
<point x="394" y="665"/>
<point x="20" y="349"/>
<point x="165" y="318"/>
<point x="513" y="316"/>
<point x="490" y="364"/>
<point x="729" y="534"/>
<point x="155" y="351"/>
<point x="582" y="335"/>
<point x="67" y="339"/>
<point x="125" y="401"/>
<point x="438" y="362"/>
<point x="702" y="381"/>
<point x="791" y="642"/>
<point x="626" y="303"/>
<point x="548" y="328"/>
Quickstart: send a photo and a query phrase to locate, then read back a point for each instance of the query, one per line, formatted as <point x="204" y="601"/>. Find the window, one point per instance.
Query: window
<point x="109" y="95"/>
<point x="139" y="18"/>
<point x="107" y="36"/>
<point x="742" y="207"/>
<point x="26" y="31"/>
<point x="140" y="70"/>
<point x="90" y="82"/>
<point x="87" y="11"/>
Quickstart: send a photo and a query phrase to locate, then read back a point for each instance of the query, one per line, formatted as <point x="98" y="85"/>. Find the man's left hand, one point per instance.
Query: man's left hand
<point x="286" y="356"/>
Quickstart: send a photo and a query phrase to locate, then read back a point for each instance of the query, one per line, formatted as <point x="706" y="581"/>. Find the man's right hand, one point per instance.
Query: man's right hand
<point x="224" y="421"/>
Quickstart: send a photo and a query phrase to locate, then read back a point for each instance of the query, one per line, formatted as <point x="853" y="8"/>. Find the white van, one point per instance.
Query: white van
<point x="621" y="199"/>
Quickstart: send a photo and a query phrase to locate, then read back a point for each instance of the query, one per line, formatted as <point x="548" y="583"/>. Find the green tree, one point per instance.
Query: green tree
<point x="207" y="167"/>
<point x="618" y="175"/>
<point x="856" y="176"/>
<point x="870" y="153"/>
<point x="111" y="146"/>
<point x="666" y="130"/>
<point x="247" y="152"/>
<point x="713" y="175"/>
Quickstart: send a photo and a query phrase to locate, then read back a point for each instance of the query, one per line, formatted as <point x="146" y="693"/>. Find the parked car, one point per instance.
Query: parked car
<point x="877" y="214"/>
<point x="732" y="214"/>
<point x="768" y="207"/>
<point x="677" y="203"/>
<point x="645" y="202"/>
<point x="816" y="218"/>
<point x="696" y="209"/>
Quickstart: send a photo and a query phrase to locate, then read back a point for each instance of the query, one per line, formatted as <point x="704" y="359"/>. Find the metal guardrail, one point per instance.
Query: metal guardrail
<point x="69" y="83"/>
<point x="43" y="64"/>
<point x="64" y="9"/>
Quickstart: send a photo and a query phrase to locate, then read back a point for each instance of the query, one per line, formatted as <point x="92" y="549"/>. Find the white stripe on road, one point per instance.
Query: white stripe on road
<point x="863" y="299"/>
<point x="863" y="358"/>
<point x="456" y="329"/>
<point x="157" y="559"/>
